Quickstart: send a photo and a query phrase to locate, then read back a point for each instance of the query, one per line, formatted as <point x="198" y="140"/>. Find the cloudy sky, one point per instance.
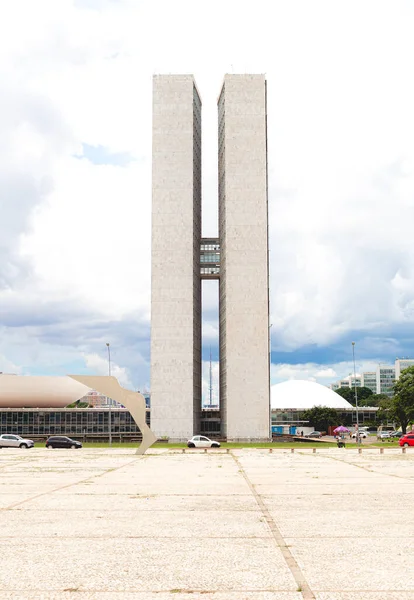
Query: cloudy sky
<point x="75" y="176"/>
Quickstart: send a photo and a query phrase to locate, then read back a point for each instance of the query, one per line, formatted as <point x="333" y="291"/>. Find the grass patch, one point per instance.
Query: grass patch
<point x="235" y="445"/>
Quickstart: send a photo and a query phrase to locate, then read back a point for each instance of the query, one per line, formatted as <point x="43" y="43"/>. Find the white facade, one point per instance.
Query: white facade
<point x="369" y="380"/>
<point x="243" y="231"/>
<point x="385" y="379"/>
<point x="401" y="364"/>
<point x="354" y="381"/>
<point x="176" y="233"/>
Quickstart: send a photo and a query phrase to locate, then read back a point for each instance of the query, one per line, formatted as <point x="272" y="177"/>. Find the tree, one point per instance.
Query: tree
<point x="373" y="400"/>
<point x="363" y="393"/>
<point x="385" y="412"/>
<point x="403" y="401"/>
<point x="321" y="417"/>
<point x="78" y="404"/>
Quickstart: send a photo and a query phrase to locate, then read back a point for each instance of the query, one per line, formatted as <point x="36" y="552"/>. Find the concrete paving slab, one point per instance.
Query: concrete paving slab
<point x="131" y="524"/>
<point x="142" y="564"/>
<point x="242" y="525"/>
<point x="362" y="594"/>
<point x="142" y="502"/>
<point x="324" y="503"/>
<point x="145" y="595"/>
<point x="359" y="564"/>
<point x="338" y="523"/>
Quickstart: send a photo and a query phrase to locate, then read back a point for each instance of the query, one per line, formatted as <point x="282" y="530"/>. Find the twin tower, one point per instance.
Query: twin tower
<point x="182" y="258"/>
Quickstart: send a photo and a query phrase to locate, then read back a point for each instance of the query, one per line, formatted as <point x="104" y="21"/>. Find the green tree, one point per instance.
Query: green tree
<point x="385" y="412"/>
<point x="78" y="404"/>
<point x="403" y="401"/>
<point x="321" y="417"/>
<point x="373" y="400"/>
<point x="363" y="393"/>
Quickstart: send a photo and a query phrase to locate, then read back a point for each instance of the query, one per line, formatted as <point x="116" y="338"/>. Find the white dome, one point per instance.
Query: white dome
<point x="302" y="395"/>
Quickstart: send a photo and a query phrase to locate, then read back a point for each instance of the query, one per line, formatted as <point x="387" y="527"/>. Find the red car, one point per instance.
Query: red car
<point x="407" y="440"/>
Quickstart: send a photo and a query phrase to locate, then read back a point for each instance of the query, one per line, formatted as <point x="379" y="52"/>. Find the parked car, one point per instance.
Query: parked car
<point x="384" y="435"/>
<point x="362" y="434"/>
<point x="61" y="441"/>
<point x="9" y="440"/>
<point x="200" y="441"/>
<point x="396" y="434"/>
<point x="315" y="434"/>
<point x="407" y="440"/>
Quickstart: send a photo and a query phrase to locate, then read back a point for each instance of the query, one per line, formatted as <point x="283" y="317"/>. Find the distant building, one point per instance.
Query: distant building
<point x="401" y="364"/>
<point x="385" y="380"/>
<point x="355" y="381"/>
<point x="380" y="381"/>
<point x="348" y="382"/>
<point x="97" y="400"/>
<point x="369" y="380"/>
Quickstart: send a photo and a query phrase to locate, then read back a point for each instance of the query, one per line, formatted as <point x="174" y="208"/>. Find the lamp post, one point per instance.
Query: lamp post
<point x="356" y="395"/>
<point x="110" y="400"/>
<point x="270" y="382"/>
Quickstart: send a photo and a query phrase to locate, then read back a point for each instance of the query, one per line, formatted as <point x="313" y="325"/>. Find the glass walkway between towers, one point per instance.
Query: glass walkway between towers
<point x="210" y="258"/>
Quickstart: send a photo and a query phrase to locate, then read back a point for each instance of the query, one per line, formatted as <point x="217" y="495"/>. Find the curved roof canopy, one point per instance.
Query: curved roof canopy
<point x="26" y="391"/>
<point x="302" y="395"/>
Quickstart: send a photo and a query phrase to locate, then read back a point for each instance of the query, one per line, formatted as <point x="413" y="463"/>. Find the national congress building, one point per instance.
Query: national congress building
<point x="238" y="258"/>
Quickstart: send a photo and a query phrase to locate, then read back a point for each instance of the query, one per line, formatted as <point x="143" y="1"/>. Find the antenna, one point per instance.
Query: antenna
<point x="211" y="382"/>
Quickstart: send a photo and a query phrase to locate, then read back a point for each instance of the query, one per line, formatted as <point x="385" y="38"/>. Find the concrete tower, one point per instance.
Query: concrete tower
<point x="175" y="279"/>
<point x="238" y="258"/>
<point x="244" y="279"/>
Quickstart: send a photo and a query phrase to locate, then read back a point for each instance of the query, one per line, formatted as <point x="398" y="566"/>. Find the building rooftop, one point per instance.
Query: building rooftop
<point x="301" y="395"/>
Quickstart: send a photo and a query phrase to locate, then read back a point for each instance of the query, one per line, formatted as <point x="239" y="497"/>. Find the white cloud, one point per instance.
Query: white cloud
<point x="324" y="374"/>
<point x="341" y="159"/>
<point x="8" y="367"/>
<point x="99" y="366"/>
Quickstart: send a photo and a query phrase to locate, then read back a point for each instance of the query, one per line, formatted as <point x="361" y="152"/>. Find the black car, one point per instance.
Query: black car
<point x="61" y="441"/>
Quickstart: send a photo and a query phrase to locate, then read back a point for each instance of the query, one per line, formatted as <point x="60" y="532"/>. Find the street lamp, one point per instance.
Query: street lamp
<point x="356" y="394"/>
<point x="270" y="382"/>
<point x="110" y="400"/>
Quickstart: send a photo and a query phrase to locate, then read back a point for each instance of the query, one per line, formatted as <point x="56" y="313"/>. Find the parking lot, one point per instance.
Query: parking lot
<point x="215" y="525"/>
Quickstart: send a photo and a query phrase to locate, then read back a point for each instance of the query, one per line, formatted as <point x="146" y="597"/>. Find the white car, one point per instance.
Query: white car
<point x="8" y="440"/>
<point x="362" y="434"/>
<point x="200" y="441"/>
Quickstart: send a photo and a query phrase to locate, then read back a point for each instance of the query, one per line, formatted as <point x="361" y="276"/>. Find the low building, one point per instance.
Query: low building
<point x="81" y="423"/>
<point x="87" y="424"/>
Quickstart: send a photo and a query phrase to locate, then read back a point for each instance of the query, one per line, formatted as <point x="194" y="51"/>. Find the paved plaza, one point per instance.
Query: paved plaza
<point x="241" y="525"/>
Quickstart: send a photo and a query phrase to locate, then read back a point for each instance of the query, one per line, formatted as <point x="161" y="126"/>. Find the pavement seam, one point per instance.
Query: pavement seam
<point x="290" y="560"/>
<point x="367" y="469"/>
<point x="63" y="487"/>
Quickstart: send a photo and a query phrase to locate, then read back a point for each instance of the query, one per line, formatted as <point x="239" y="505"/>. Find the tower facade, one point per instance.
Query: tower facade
<point x="244" y="279"/>
<point x="175" y="275"/>
<point x="238" y="258"/>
